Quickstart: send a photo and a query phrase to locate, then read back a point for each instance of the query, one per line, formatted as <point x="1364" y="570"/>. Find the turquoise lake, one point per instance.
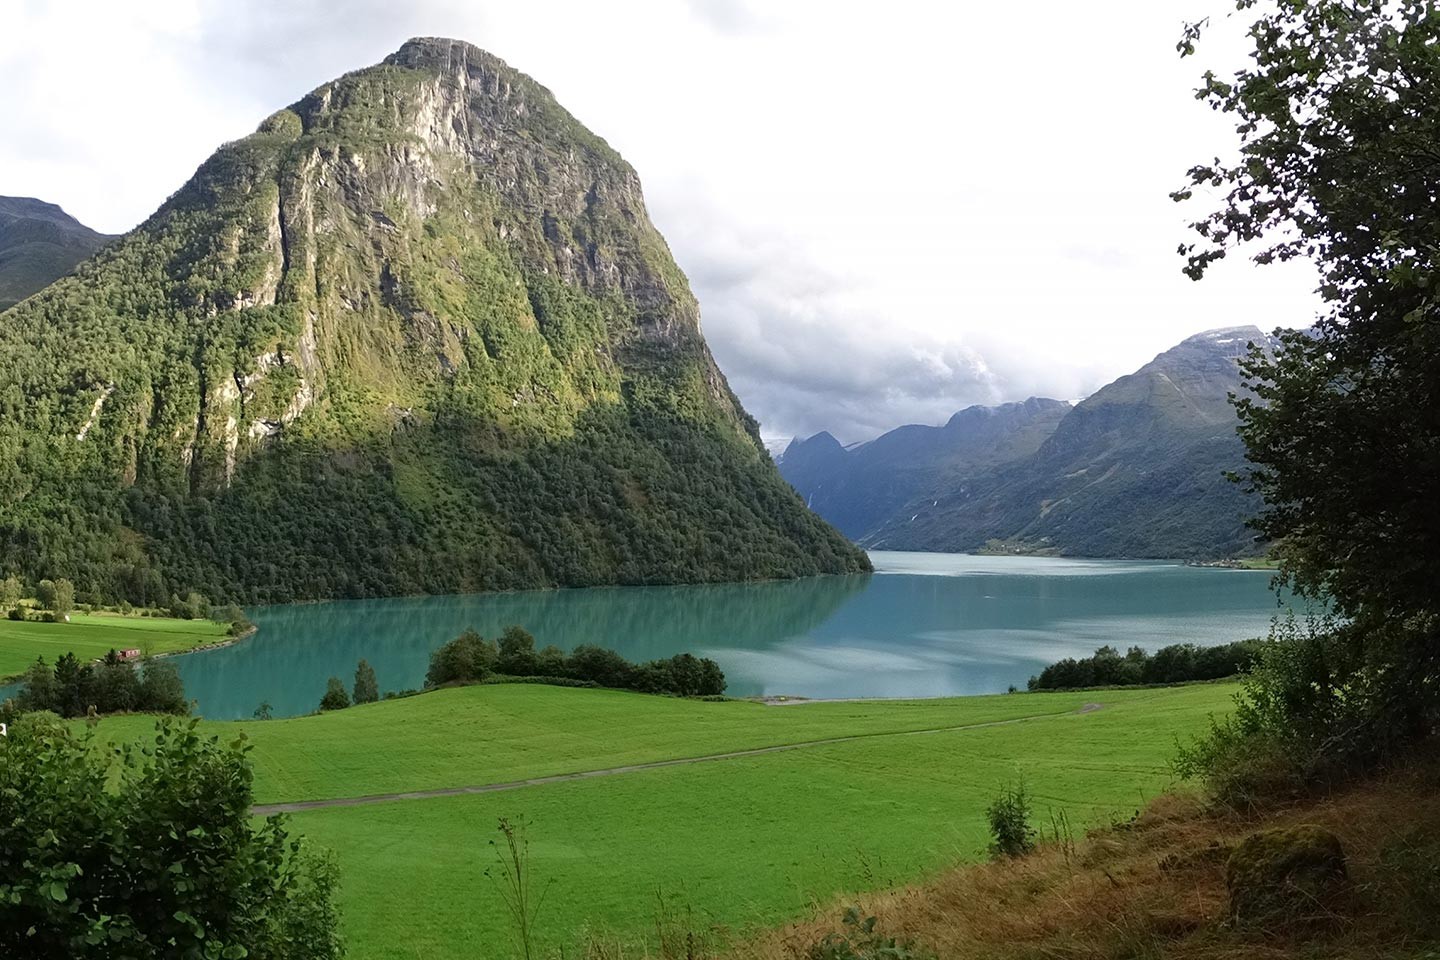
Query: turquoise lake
<point x="922" y="625"/>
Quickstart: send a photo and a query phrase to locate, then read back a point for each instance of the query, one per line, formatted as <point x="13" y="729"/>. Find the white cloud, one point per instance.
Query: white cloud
<point x="888" y="211"/>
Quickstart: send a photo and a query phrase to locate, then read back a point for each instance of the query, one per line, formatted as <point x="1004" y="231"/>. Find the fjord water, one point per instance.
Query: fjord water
<point x="925" y="624"/>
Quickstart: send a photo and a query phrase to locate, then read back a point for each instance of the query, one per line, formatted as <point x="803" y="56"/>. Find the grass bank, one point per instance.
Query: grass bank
<point x="92" y="635"/>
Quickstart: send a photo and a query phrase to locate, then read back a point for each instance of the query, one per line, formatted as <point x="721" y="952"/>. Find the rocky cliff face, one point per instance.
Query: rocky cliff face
<point x="420" y="314"/>
<point x="39" y="244"/>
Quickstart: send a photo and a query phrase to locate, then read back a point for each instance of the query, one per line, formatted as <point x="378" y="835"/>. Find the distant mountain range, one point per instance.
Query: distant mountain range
<point x="1135" y="470"/>
<point x="861" y="489"/>
<point x="39" y="244"/>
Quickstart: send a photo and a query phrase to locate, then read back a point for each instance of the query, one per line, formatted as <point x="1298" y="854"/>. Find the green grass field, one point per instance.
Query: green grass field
<point x="738" y="842"/>
<point x="92" y="635"/>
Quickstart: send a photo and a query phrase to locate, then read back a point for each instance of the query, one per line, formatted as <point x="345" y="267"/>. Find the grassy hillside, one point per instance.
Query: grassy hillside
<point x="742" y="841"/>
<point x="90" y="636"/>
<point x="1156" y="888"/>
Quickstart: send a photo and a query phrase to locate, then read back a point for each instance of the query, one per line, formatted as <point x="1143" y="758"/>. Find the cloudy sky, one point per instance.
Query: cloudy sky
<point x="888" y="210"/>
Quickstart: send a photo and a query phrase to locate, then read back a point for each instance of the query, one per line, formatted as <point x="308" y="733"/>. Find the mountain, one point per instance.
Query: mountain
<point x="416" y="334"/>
<point x="1135" y="470"/>
<point x="39" y="243"/>
<point x="862" y="488"/>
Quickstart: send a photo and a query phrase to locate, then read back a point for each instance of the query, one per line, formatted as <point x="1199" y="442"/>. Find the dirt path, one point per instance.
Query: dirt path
<point x="297" y="806"/>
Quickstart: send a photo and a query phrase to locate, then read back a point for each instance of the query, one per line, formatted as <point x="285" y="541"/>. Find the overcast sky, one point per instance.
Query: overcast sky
<point x="888" y="210"/>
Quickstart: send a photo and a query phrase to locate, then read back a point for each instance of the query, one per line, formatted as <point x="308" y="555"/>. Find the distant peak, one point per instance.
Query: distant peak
<point x="1226" y="335"/>
<point x="819" y="441"/>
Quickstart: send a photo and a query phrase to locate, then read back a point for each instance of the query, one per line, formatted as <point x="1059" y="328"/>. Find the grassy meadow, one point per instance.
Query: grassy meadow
<point x="92" y="635"/>
<point x="730" y="843"/>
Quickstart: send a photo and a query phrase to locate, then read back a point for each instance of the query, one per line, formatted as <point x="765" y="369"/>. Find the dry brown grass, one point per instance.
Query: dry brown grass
<point x="1155" y="888"/>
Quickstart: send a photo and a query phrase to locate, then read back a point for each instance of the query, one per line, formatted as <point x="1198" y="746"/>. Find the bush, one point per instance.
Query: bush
<point x="16" y="613"/>
<point x="469" y="658"/>
<point x="335" y="697"/>
<point x="860" y="941"/>
<point x="149" y="855"/>
<point x="1318" y="705"/>
<point x="1179" y="663"/>
<point x="1009" y="816"/>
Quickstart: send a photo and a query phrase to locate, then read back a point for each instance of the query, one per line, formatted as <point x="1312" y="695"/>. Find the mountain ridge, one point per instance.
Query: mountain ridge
<point x="1136" y="469"/>
<point x="39" y="243"/>
<point x="859" y="486"/>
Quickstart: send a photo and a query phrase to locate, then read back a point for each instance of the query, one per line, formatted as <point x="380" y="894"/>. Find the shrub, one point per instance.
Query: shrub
<point x="335" y="697"/>
<point x="149" y="854"/>
<point x="16" y="613"/>
<point x="861" y="941"/>
<point x="1314" y="708"/>
<point x="1178" y="663"/>
<point x="469" y="658"/>
<point x="1009" y="816"/>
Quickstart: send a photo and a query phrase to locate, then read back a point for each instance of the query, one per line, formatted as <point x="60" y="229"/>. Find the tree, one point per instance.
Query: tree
<point x="149" y="855"/>
<point x="335" y="697"/>
<point x="1338" y="119"/>
<point x="366" y="688"/>
<point x="63" y="600"/>
<point x="517" y="652"/>
<point x="161" y="690"/>
<point x="467" y="657"/>
<point x="10" y="591"/>
<point x="45" y="593"/>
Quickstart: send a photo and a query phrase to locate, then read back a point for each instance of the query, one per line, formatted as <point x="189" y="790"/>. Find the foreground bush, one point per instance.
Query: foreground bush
<point x="1325" y="700"/>
<point x="470" y="658"/>
<point x="149" y="855"/>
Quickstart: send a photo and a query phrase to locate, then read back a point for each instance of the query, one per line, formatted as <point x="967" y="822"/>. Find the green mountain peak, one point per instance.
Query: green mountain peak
<point x="415" y="334"/>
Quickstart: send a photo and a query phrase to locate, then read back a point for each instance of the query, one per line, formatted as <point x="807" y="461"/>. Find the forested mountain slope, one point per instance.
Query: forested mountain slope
<point x="862" y="488"/>
<point x="39" y="243"/>
<point x="415" y="334"/>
